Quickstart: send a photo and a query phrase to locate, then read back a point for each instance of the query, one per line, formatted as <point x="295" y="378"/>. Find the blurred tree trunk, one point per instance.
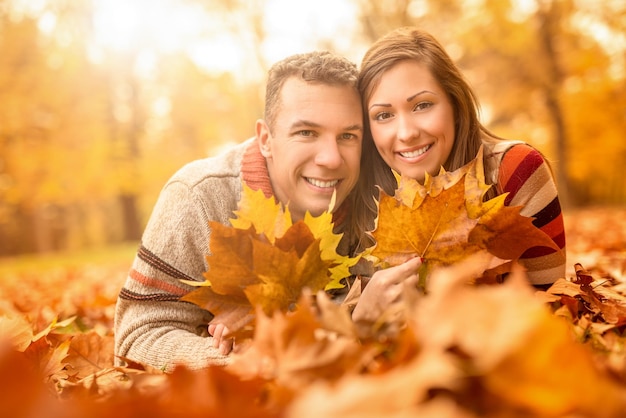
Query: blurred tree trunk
<point x="549" y="19"/>
<point x="128" y="199"/>
<point x="125" y="121"/>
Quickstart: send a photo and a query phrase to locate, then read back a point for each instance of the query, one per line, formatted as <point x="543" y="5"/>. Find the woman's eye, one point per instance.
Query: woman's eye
<point x="382" y="116"/>
<point x="422" y="106"/>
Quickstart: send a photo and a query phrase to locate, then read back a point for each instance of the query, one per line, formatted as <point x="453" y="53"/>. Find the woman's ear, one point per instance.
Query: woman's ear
<point x="264" y="137"/>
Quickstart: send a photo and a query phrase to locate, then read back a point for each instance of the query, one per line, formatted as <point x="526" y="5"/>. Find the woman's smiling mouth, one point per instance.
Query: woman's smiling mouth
<point x="322" y="183"/>
<point x="415" y="153"/>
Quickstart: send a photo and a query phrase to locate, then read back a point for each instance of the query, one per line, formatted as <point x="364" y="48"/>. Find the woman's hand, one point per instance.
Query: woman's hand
<point x="385" y="288"/>
<point x="219" y="332"/>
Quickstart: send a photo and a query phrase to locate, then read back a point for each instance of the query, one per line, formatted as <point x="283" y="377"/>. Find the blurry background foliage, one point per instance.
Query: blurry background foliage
<point x="102" y="100"/>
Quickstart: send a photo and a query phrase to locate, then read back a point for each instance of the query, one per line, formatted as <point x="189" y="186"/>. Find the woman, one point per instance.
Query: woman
<point x="420" y="115"/>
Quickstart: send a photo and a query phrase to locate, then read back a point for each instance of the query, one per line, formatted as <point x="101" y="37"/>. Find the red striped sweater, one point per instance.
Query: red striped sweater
<point x="524" y="174"/>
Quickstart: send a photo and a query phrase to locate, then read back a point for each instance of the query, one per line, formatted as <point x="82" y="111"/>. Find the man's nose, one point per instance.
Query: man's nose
<point x="328" y="154"/>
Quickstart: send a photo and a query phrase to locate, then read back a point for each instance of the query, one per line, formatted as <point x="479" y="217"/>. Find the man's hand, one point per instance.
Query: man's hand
<point x="220" y="339"/>
<point x="384" y="289"/>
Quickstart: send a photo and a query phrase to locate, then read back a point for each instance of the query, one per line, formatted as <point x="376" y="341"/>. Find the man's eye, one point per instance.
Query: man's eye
<point x="347" y="136"/>
<point x="305" y="133"/>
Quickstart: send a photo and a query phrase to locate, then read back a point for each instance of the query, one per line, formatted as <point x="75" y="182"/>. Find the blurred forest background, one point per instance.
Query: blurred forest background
<point x="102" y="100"/>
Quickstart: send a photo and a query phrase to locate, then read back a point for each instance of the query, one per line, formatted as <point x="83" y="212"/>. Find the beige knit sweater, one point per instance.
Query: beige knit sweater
<point x="151" y="325"/>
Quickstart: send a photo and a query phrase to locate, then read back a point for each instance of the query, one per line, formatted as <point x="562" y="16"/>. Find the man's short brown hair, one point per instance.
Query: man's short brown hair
<point x="316" y="67"/>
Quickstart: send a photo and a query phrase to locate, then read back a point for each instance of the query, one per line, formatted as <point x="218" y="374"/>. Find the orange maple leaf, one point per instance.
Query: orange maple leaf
<point x="17" y="330"/>
<point x="49" y="359"/>
<point x="265" y="260"/>
<point x="300" y="347"/>
<point x="446" y="219"/>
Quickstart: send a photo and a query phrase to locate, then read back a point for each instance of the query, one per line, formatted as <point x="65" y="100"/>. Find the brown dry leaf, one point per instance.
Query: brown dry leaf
<point x="17" y="330"/>
<point x="401" y="392"/>
<point x="484" y="322"/>
<point x="48" y="359"/>
<point x="111" y="381"/>
<point x="54" y="327"/>
<point x="613" y="307"/>
<point x="89" y="353"/>
<point x="294" y="349"/>
<point x="213" y="392"/>
<point x="445" y="220"/>
<point x="589" y="294"/>
<point x="334" y="317"/>
<point x="23" y="392"/>
<point x="505" y="334"/>
<point x="548" y="369"/>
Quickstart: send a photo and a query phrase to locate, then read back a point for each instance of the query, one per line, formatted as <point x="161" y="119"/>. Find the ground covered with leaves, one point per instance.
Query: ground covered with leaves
<point x="463" y="351"/>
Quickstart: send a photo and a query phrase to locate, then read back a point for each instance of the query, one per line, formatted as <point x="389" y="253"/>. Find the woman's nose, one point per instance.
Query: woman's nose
<point x="407" y="129"/>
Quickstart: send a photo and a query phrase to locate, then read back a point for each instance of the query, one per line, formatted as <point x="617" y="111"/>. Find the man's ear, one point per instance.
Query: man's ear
<point x="264" y="137"/>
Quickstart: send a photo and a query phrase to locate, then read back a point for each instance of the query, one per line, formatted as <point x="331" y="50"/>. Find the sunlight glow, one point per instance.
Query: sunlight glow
<point x="314" y="23"/>
<point x="612" y="41"/>
<point x="166" y="26"/>
<point x="130" y="25"/>
<point x="223" y="53"/>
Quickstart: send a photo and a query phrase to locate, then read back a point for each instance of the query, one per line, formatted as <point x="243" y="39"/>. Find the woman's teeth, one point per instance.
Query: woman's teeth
<point x="417" y="152"/>
<point x="320" y="183"/>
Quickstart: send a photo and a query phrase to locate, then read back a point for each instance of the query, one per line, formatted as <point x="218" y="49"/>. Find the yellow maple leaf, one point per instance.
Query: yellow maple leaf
<point x="445" y="220"/>
<point x="322" y="228"/>
<point x="264" y="260"/>
<point x="275" y="219"/>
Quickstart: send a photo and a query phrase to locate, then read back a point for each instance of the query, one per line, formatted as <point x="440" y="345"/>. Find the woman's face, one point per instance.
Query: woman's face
<point x="411" y="120"/>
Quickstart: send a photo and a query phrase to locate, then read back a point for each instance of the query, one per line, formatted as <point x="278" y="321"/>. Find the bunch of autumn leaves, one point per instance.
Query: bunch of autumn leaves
<point x="264" y="261"/>
<point x="446" y="349"/>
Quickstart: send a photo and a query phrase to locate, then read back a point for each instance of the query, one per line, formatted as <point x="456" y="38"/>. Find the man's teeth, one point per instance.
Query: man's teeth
<point x="412" y="154"/>
<point x="320" y="183"/>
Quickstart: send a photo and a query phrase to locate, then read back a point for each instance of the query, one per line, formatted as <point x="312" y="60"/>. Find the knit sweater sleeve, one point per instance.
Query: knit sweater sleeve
<point x="528" y="180"/>
<point x="152" y="325"/>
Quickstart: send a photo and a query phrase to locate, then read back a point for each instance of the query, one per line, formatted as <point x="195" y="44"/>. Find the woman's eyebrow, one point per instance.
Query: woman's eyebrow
<point x="417" y="94"/>
<point x="408" y="99"/>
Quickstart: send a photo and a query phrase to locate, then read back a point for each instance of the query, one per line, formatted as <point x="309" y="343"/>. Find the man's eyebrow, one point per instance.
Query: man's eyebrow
<point x="308" y="124"/>
<point x="301" y="123"/>
<point x="357" y="127"/>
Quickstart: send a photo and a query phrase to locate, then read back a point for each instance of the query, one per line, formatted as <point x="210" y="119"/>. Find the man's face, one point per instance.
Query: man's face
<point x="314" y="147"/>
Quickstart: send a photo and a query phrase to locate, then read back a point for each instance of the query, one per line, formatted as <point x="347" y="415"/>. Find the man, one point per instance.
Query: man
<point x="307" y="147"/>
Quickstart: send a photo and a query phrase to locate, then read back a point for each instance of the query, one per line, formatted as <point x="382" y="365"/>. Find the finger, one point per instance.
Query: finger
<point x="226" y="346"/>
<point x="412" y="280"/>
<point x="212" y="328"/>
<point x="400" y="273"/>
<point x="395" y="294"/>
<point x="411" y="265"/>
<point x="217" y="336"/>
